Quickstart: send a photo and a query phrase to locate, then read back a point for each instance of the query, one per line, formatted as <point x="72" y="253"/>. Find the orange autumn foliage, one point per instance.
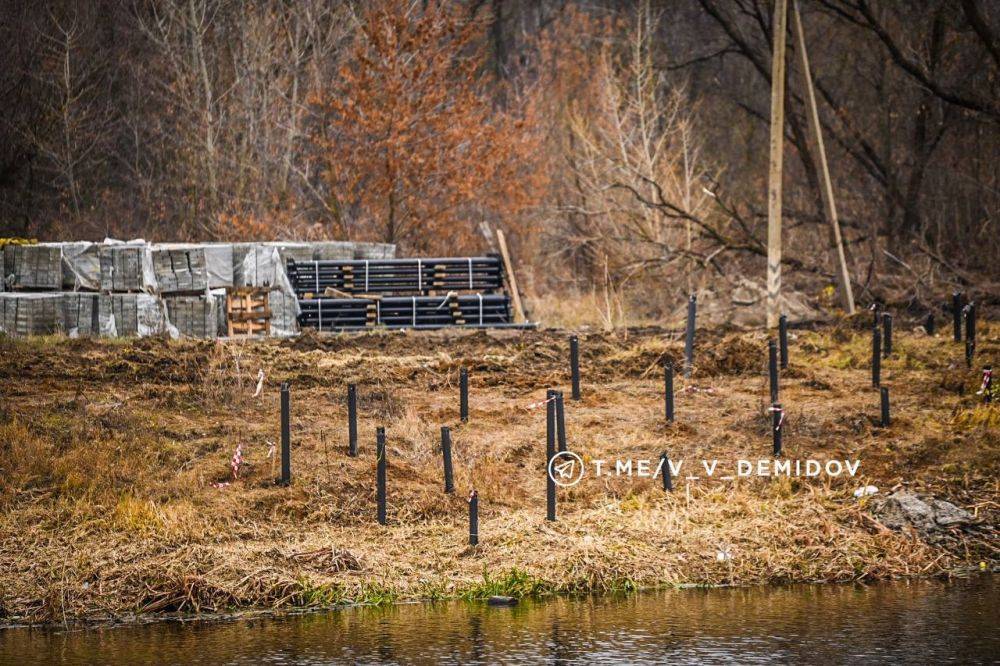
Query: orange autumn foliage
<point x="414" y="150"/>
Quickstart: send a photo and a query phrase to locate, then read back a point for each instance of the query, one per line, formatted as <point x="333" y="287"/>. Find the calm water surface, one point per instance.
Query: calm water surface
<point x="925" y="622"/>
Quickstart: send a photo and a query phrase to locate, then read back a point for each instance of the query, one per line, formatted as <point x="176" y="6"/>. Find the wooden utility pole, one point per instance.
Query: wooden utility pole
<point x="843" y="277"/>
<point x="774" y="172"/>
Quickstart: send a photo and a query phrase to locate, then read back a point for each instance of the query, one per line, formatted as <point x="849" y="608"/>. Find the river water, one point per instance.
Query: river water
<point x="925" y="622"/>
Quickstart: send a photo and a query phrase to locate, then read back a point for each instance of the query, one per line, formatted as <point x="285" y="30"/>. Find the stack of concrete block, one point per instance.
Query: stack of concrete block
<point x="193" y="316"/>
<point x="81" y="265"/>
<point x="221" y="323"/>
<point x="219" y="262"/>
<point x="39" y="313"/>
<point x="35" y="267"/>
<point x="180" y="268"/>
<point x="80" y="314"/>
<point x="374" y="251"/>
<point x="328" y="250"/>
<point x="127" y="267"/>
<point x="128" y="315"/>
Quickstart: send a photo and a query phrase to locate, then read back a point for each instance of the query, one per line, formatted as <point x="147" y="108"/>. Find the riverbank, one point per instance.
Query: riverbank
<point x="118" y="496"/>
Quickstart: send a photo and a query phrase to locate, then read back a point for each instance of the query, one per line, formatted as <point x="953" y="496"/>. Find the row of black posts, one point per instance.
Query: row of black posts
<point x="555" y="411"/>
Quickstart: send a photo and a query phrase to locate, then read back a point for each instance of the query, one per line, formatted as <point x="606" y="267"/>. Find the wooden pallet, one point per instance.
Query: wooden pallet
<point x="247" y="311"/>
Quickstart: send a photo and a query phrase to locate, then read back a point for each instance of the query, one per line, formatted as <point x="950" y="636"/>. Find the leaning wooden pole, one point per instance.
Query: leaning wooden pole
<point x="511" y="278"/>
<point x="843" y="277"/>
<point x="774" y="171"/>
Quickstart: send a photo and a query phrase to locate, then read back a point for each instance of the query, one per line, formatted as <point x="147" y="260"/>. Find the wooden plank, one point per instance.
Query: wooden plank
<point x="509" y="269"/>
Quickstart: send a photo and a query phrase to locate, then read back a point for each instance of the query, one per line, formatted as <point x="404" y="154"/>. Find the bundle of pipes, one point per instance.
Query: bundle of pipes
<point x="475" y="310"/>
<point x="397" y="276"/>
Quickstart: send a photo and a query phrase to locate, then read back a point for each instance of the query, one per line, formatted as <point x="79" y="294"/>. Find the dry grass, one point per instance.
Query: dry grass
<point x="110" y="451"/>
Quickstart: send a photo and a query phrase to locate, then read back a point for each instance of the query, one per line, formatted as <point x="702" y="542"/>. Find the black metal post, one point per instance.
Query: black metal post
<point x="449" y="481"/>
<point x="876" y="357"/>
<point x="884" y="395"/>
<point x="286" y="435"/>
<point x="550" y="452"/>
<point x="772" y="368"/>
<point x="876" y="313"/>
<point x="473" y="518"/>
<point x="380" y="473"/>
<point x="956" y="314"/>
<point x="783" y="340"/>
<point x="574" y="366"/>
<point x="668" y="483"/>
<point x="560" y="421"/>
<point x="970" y="333"/>
<point x="886" y="335"/>
<point x="929" y="323"/>
<point x="463" y="398"/>
<point x="352" y="420"/>
<point x="689" y="336"/>
<point x="777" y="418"/>
<point x="668" y="389"/>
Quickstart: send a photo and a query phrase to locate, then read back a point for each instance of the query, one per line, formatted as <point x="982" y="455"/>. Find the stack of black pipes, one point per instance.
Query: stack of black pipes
<point x="423" y="293"/>
<point x="396" y="276"/>
<point x="472" y="310"/>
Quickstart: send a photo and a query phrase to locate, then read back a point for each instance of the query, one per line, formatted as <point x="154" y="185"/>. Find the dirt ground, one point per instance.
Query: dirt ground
<point x="118" y="497"/>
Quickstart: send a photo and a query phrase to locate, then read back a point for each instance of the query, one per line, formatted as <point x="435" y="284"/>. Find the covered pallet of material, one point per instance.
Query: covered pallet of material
<point x="374" y="251"/>
<point x="292" y="250"/>
<point x="36" y="267"/>
<point x="219" y="263"/>
<point x="130" y="315"/>
<point x="255" y="265"/>
<point x="284" y="307"/>
<point x="127" y="267"/>
<point x="39" y="313"/>
<point x="180" y="268"/>
<point x="193" y="316"/>
<point x="81" y="266"/>
<point x="221" y="327"/>
<point x="80" y="312"/>
<point x="333" y="250"/>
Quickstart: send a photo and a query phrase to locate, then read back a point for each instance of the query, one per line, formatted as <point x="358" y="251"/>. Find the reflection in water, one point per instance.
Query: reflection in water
<point x="918" y="622"/>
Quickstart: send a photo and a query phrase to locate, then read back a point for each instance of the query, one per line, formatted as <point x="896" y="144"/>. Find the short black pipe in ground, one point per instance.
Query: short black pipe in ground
<point x="783" y="341"/>
<point x="352" y="420"/>
<point x="956" y="314"/>
<point x="876" y="358"/>
<point x="463" y="397"/>
<point x="689" y="335"/>
<point x="929" y="324"/>
<point x="772" y="369"/>
<point x="286" y="435"/>
<point x="970" y="333"/>
<point x="668" y="483"/>
<point x="560" y="421"/>
<point x="380" y="473"/>
<point x="777" y="423"/>
<point x="574" y="366"/>
<point x="886" y="335"/>
<point x="668" y="389"/>
<point x="550" y="452"/>
<point x="449" y="480"/>
<point x="473" y="518"/>
<point x="884" y="395"/>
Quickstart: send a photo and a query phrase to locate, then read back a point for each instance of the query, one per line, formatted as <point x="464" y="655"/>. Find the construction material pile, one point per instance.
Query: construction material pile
<point x="135" y="288"/>
<point x="417" y="293"/>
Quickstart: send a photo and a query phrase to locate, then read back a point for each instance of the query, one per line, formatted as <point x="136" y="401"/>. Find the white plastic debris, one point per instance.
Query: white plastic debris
<point x="865" y="491"/>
